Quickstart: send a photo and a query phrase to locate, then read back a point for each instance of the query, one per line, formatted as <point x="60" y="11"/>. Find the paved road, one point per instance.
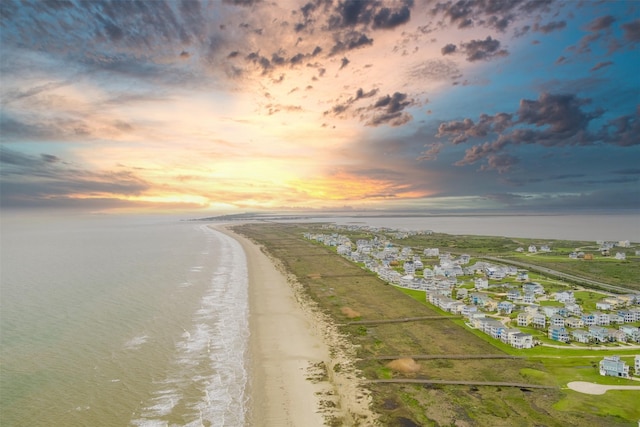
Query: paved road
<point x="560" y="274"/>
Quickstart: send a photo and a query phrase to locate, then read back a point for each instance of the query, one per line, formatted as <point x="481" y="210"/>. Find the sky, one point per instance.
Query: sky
<point x="316" y="105"/>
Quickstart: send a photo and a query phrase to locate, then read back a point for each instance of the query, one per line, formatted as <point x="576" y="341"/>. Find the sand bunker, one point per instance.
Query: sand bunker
<point x="404" y="365"/>
<point x="350" y="312"/>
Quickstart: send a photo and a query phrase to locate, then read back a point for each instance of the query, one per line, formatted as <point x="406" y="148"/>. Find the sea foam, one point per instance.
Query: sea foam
<point x="210" y="354"/>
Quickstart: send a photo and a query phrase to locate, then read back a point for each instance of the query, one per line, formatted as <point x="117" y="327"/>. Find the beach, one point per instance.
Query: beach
<point x="293" y="382"/>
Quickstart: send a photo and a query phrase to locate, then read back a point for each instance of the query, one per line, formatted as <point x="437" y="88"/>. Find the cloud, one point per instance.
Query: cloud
<point x="432" y="152"/>
<point x="29" y="179"/>
<point x="245" y="3"/>
<point x="601" y="23"/>
<point x="389" y="18"/>
<point x="338" y="109"/>
<point x="550" y="27"/>
<point x="463" y="130"/>
<point x="344" y="62"/>
<point x="623" y="131"/>
<point x="349" y="41"/>
<point x="600" y="65"/>
<point x="389" y="110"/>
<point x="632" y="31"/>
<point x="482" y="50"/>
<point x="351" y="13"/>
<point x="448" y="49"/>
<point x="553" y="120"/>
<point x="497" y="15"/>
<point x="434" y="69"/>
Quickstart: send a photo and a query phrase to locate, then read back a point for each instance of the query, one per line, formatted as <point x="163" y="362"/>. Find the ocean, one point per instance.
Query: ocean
<point x="143" y="321"/>
<point x="122" y="321"/>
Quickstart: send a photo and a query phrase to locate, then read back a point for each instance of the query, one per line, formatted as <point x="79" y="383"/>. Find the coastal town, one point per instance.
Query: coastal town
<point x="502" y="301"/>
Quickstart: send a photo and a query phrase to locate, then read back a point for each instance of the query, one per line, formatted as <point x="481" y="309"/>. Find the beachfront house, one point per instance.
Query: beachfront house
<point x="505" y="307"/>
<point x="431" y="252"/>
<point x="602" y="319"/>
<point x="599" y="334"/>
<point x="617" y="335"/>
<point x="522" y="276"/>
<point x="481" y="283"/>
<point x="612" y="366"/>
<point x="574" y="309"/>
<point x="589" y="319"/>
<point x="581" y="336"/>
<point x="632" y="332"/>
<point x="533" y="287"/>
<point x="621" y="256"/>
<point x="514" y="295"/>
<point x="565" y="297"/>
<point x="524" y="319"/>
<point x="539" y="320"/>
<point x="556" y="320"/>
<point x="574" y="322"/>
<point x="522" y="340"/>
<point x="558" y="334"/>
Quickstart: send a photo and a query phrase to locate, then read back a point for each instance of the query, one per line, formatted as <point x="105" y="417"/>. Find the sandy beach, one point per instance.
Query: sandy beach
<point x="292" y="380"/>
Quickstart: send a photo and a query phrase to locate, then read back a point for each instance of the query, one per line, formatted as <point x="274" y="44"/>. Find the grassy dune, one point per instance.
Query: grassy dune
<point x="348" y="293"/>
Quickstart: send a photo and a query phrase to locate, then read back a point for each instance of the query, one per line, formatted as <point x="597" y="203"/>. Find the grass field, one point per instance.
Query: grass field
<point x="336" y="284"/>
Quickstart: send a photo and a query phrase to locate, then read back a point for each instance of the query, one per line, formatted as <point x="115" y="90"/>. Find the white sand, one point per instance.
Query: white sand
<point x="289" y="341"/>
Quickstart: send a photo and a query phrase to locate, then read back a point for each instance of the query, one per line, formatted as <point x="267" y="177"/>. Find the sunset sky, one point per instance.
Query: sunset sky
<point x="233" y="106"/>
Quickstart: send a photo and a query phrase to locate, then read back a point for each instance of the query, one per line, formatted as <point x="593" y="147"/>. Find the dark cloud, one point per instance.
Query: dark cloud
<point x="482" y="50"/>
<point x="350" y="40"/>
<point x="245" y="3"/>
<point x="30" y="179"/>
<point x="550" y="27"/>
<point x="389" y="18"/>
<point x="463" y="130"/>
<point x="484" y="13"/>
<point x="600" y="65"/>
<point x="338" y="109"/>
<point x="623" y="131"/>
<point x="448" y="49"/>
<point x="344" y="62"/>
<point x="602" y="23"/>
<point x="550" y="121"/>
<point x="632" y="31"/>
<point x="389" y="110"/>
<point x="500" y="162"/>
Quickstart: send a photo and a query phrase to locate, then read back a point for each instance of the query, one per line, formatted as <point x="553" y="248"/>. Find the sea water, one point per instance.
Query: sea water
<point x="121" y="321"/>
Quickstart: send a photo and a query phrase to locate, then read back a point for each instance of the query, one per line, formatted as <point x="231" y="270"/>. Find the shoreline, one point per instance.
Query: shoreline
<point x="292" y="381"/>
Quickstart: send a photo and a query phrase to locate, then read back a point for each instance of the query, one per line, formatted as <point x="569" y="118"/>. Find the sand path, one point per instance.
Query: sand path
<point x="593" y="388"/>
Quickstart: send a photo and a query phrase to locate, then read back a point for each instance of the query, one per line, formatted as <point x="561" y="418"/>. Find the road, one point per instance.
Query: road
<point x="545" y="270"/>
